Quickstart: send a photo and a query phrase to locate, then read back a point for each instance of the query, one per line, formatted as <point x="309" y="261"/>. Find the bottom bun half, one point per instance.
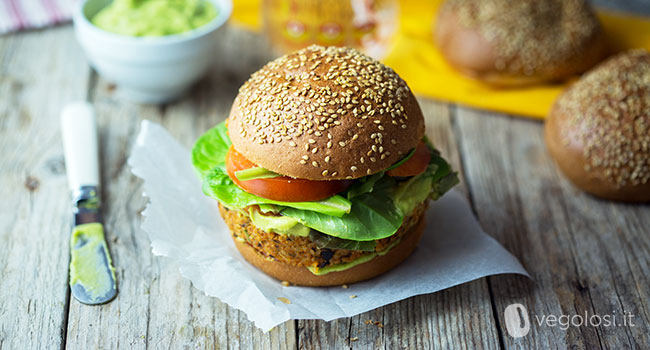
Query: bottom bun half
<point x="301" y="276"/>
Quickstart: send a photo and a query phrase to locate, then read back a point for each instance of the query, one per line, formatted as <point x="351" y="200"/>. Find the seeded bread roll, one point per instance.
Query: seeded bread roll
<point x="598" y="131"/>
<point x="325" y="113"/>
<point x="513" y="43"/>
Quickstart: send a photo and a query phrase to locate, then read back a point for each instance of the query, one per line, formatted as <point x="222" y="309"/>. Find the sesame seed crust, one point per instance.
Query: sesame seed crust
<point x="520" y="42"/>
<point x="319" y="113"/>
<point x="599" y="129"/>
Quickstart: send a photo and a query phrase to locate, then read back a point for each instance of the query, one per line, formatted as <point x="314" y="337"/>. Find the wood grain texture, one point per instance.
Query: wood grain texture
<point x="35" y="205"/>
<point x="584" y="254"/>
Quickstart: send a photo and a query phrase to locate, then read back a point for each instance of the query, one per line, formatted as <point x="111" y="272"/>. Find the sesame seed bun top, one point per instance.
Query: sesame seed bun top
<point x="599" y="129"/>
<point x="510" y="43"/>
<point x="325" y="113"/>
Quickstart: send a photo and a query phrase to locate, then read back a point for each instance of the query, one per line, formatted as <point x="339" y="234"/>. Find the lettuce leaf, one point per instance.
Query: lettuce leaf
<point x="373" y="216"/>
<point x="412" y="192"/>
<point x="402" y="161"/>
<point x="363" y="185"/>
<point x="442" y="176"/>
<point x="210" y="149"/>
<point x="218" y="185"/>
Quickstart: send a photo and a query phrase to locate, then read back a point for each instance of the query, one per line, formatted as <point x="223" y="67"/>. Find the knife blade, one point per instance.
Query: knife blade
<point x="92" y="276"/>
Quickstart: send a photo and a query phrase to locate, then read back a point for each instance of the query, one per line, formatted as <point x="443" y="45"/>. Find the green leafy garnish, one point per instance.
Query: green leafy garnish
<point x="373" y="208"/>
<point x="210" y="149"/>
<point x="373" y="216"/>
<point x="363" y="185"/>
<point x="402" y="161"/>
<point x="412" y="192"/>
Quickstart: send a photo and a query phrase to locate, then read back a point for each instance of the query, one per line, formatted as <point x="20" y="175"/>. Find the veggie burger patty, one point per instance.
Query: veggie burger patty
<point x="301" y="251"/>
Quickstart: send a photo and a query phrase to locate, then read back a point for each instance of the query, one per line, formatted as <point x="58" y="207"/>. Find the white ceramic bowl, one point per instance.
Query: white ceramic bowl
<point x="149" y="69"/>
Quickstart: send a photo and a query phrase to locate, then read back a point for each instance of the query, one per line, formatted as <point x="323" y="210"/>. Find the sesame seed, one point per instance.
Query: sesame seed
<point x="284" y="300"/>
<point x="616" y="137"/>
<point x="353" y="168"/>
<point x="559" y="30"/>
<point x="285" y="102"/>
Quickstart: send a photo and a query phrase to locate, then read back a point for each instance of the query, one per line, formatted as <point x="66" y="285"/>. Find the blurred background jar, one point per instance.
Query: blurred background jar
<point x="368" y="25"/>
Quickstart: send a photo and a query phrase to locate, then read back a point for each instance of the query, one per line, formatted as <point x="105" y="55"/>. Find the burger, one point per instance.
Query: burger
<point x="322" y="170"/>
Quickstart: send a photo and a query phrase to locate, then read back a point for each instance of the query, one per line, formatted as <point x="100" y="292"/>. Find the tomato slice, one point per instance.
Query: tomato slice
<point x="284" y="188"/>
<point x="415" y="165"/>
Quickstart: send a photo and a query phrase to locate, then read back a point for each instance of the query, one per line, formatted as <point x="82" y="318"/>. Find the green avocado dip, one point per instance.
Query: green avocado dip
<point x="85" y="263"/>
<point x="154" y="17"/>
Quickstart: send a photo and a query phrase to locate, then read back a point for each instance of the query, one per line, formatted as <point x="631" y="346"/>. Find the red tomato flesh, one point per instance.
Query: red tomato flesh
<point x="415" y="165"/>
<point x="284" y="188"/>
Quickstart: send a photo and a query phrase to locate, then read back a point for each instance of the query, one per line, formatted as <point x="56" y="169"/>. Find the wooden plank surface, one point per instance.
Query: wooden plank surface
<point x="583" y="254"/>
<point x="35" y="205"/>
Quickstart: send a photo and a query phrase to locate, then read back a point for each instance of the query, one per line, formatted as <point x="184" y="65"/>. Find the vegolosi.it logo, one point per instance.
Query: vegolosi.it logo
<point x="518" y="320"/>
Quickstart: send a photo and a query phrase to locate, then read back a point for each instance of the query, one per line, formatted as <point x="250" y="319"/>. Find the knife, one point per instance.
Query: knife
<point x="92" y="276"/>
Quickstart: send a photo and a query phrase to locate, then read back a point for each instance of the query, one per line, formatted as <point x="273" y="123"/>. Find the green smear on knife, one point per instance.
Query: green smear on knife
<point x="86" y="264"/>
<point x="154" y="17"/>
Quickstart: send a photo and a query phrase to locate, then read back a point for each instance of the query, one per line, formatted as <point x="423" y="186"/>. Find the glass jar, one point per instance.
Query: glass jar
<point x="368" y="25"/>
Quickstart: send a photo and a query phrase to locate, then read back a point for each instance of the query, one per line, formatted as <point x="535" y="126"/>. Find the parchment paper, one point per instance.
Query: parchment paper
<point x="184" y="225"/>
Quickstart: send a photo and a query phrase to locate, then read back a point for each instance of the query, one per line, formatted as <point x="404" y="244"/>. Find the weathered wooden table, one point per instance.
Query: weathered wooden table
<point x="584" y="255"/>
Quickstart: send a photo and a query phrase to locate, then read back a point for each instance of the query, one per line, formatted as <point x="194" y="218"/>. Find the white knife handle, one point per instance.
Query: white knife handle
<point x="79" y="128"/>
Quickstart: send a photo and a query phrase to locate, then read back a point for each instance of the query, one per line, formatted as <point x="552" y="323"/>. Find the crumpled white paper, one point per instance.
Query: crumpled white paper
<point x="184" y="225"/>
